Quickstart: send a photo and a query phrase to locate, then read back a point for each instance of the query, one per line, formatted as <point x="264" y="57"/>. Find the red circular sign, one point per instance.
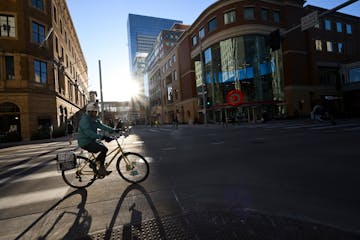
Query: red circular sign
<point x="234" y="97"/>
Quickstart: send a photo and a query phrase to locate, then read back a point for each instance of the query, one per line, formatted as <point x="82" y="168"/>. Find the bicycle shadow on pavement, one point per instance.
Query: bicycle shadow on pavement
<point x="45" y="224"/>
<point x="136" y="215"/>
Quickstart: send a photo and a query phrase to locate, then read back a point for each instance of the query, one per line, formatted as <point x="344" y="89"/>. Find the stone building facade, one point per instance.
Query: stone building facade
<point x="43" y="72"/>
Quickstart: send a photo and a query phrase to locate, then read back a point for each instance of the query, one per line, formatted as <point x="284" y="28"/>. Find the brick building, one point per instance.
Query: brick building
<point x="226" y="51"/>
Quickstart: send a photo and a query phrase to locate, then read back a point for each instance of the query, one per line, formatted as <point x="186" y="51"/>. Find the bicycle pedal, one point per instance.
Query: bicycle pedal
<point x="100" y="176"/>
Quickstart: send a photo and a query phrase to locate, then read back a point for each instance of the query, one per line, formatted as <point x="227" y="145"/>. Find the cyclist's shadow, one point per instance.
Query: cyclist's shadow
<point x="136" y="216"/>
<point x="80" y="227"/>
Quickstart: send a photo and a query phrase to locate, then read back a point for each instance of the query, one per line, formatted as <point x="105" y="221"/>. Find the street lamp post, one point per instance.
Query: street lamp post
<point x="101" y="93"/>
<point x="203" y="83"/>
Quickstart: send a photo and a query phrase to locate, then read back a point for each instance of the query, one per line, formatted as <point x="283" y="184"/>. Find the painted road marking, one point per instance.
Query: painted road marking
<point x="168" y="149"/>
<point x="32" y="176"/>
<point x="34" y="197"/>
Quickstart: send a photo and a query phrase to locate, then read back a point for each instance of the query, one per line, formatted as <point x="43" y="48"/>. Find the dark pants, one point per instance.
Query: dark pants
<point x="95" y="147"/>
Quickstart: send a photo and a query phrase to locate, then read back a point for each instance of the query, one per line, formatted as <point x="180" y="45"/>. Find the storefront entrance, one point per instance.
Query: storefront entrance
<point x="10" y="128"/>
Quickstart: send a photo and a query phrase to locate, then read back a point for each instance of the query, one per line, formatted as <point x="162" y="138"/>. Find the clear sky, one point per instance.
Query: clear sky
<point x="101" y="27"/>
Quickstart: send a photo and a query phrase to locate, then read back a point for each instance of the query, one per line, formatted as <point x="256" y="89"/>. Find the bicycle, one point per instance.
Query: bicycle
<point x="80" y="172"/>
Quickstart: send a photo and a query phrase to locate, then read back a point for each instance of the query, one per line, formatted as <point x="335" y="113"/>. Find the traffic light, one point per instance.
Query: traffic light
<point x="208" y="102"/>
<point x="274" y="40"/>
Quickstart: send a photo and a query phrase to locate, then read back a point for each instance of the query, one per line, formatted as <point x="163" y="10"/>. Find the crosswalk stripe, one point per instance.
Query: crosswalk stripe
<point x="21" y="158"/>
<point x="334" y="126"/>
<point x="168" y="149"/>
<point x="33" y="197"/>
<point x="353" y="129"/>
<point x="31" y="165"/>
<point x="305" y="126"/>
<point x="32" y="176"/>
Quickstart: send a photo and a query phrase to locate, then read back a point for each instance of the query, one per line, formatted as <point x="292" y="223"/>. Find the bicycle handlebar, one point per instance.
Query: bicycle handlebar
<point x="125" y="133"/>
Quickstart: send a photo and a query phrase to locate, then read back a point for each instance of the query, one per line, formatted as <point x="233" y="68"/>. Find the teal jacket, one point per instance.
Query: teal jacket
<point x="88" y="127"/>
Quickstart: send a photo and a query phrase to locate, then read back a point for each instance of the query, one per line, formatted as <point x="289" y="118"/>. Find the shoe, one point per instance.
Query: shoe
<point x="102" y="172"/>
<point x="93" y="166"/>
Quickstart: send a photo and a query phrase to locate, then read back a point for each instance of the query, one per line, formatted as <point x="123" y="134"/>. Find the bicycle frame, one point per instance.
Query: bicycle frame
<point x="118" y="150"/>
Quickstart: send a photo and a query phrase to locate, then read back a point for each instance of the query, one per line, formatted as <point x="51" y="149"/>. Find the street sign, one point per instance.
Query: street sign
<point x="309" y="21"/>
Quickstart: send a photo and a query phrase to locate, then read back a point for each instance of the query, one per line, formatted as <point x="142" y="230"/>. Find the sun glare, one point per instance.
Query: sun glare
<point x="129" y="89"/>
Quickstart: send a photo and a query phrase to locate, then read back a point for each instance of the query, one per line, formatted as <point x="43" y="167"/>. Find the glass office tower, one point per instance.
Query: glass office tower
<point x="142" y="33"/>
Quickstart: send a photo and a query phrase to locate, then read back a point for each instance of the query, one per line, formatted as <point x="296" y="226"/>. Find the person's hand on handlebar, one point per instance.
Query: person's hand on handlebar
<point x="107" y="139"/>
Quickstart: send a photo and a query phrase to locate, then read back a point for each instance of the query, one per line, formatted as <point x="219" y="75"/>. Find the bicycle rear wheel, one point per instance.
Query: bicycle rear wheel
<point x="132" y="167"/>
<point x="80" y="177"/>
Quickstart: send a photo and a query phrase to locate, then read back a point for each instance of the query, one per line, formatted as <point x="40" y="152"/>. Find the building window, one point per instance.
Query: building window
<point x="40" y="71"/>
<point x="202" y="33"/>
<point x="327" y="24"/>
<point x="318" y="45"/>
<point x="340" y="47"/>
<point x="7" y="25"/>
<point x="229" y="17"/>
<point x="9" y="65"/>
<point x="329" y="46"/>
<point x="56" y="44"/>
<point x="170" y="93"/>
<point x="212" y="25"/>
<point x="317" y="25"/>
<point x="55" y="15"/>
<point x="276" y="15"/>
<point x="249" y="13"/>
<point x="38" y="4"/>
<point x="264" y="14"/>
<point x="38" y="33"/>
<point x="327" y="76"/>
<point x="339" y="27"/>
<point x="174" y="58"/>
<point x="174" y="75"/>
<point x="348" y="29"/>
<point x="194" y="40"/>
<point x="354" y="75"/>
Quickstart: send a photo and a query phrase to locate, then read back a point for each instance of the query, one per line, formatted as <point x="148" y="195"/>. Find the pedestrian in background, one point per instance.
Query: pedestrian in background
<point x="175" y="122"/>
<point x="70" y="132"/>
<point x="51" y="131"/>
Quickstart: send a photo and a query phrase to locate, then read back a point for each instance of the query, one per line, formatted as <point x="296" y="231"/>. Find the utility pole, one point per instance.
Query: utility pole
<point x="101" y="94"/>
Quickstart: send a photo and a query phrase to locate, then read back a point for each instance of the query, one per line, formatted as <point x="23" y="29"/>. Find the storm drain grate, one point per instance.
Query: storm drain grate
<point x="222" y="226"/>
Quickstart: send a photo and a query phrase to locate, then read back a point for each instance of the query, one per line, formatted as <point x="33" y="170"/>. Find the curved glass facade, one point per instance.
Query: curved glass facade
<point x="243" y="63"/>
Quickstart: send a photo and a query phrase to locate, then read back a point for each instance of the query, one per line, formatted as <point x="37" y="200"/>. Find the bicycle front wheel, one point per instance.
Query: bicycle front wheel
<point x="132" y="167"/>
<point x="80" y="177"/>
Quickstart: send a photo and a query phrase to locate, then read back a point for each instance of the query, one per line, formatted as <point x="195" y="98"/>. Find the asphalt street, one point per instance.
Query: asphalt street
<point x="297" y="170"/>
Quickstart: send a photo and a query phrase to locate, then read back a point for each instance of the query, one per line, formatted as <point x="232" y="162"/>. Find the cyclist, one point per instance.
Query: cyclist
<point x="89" y="138"/>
